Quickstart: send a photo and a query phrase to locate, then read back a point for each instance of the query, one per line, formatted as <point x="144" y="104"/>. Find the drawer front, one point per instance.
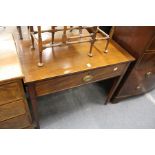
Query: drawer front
<point x="10" y="92"/>
<point x="12" y="109"/>
<point x="70" y="81"/>
<point x="138" y="82"/>
<point x="147" y="80"/>
<point x="16" y="123"/>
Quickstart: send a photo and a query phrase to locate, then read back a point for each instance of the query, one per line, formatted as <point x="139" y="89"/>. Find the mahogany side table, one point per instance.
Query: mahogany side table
<point x="68" y="67"/>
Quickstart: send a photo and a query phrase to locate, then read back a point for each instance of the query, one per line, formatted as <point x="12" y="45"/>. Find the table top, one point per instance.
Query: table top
<point x="9" y="63"/>
<point x="66" y="60"/>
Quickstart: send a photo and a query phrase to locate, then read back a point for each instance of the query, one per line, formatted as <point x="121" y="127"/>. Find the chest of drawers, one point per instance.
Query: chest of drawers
<point x="14" y="110"/>
<point x="140" y="42"/>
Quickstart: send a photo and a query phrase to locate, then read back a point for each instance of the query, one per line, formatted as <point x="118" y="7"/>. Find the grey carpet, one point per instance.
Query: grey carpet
<point x="83" y="107"/>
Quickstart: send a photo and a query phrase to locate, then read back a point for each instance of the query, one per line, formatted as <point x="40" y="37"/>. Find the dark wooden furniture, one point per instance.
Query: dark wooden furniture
<point x="69" y="66"/>
<point x="140" y="42"/>
<point x="53" y="36"/>
<point x="14" y="111"/>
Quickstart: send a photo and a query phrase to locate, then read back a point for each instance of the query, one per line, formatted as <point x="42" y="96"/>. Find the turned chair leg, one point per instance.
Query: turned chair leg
<point x="53" y="37"/>
<point x="40" y="63"/>
<point x="64" y="36"/>
<point x="90" y="51"/>
<point x="20" y="32"/>
<point x="53" y="33"/>
<point x="80" y="30"/>
<point x="106" y="46"/>
<point x="92" y="41"/>
<point x="32" y="39"/>
<point x="71" y="28"/>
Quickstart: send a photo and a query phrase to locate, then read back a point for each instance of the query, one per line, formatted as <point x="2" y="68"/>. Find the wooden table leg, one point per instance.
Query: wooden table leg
<point x="33" y="99"/>
<point x="115" y="85"/>
<point x="20" y="32"/>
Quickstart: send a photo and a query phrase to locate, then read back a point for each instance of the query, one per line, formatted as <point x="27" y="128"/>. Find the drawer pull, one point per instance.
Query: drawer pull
<point x="87" y="78"/>
<point x="138" y="87"/>
<point x="148" y="74"/>
<point x="115" y="69"/>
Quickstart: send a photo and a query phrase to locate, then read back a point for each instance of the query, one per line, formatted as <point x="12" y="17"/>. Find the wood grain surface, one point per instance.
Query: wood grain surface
<point x="67" y="60"/>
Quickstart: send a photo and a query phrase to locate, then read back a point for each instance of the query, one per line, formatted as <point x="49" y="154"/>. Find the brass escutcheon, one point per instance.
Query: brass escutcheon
<point x="88" y="78"/>
<point x="148" y="74"/>
<point x="138" y="87"/>
<point x="115" y="69"/>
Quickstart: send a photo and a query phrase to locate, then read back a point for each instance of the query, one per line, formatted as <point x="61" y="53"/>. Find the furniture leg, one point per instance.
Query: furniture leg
<point x="20" y="32"/>
<point x="115" y="85"/>
<point x="32" y="39"/>
<point x="80" y="30"/>
<point x="53" y="37"/>
<point x="64" y="36"/>
<point x="40" y="64"/>
<point x="32" y="96"/>
<point x="90" y="51"/>
<point x="71" y="29"/>
<point x="53" y="29"/>
<point x="92" y="41"/>
<point x="106" y="46"/>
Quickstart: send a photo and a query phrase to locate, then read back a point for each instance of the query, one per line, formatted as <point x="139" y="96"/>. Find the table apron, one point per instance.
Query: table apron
<point x="70" y="81"/>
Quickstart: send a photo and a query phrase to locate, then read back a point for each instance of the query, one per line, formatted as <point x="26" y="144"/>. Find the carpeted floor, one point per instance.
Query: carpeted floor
<point x="83" y="107"/>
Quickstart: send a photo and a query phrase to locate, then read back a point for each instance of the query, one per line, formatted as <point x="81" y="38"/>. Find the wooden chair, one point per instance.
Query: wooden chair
<point x="36" y="37"/>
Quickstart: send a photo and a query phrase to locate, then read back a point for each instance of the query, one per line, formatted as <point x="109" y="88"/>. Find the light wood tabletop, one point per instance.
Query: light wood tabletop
<point x="70" y="59"/>
<point x="9" y="62"/>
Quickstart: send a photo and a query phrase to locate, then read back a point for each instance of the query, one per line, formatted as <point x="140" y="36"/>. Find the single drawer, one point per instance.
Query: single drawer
<point x="69" y="81"/>
<point x="16" y="123"/>
<point x="10" y="92"/>
<point x="12" y="109"/>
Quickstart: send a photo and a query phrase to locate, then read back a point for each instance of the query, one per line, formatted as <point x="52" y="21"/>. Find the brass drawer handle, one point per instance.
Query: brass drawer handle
<point x="148" y="74"/>
<point x="138" y="87"/>
<point x="115" y="69"/>
<point x="87" y="78"/>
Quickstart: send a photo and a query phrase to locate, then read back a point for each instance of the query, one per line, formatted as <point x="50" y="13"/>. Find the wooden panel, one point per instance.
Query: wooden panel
<point x="10" y="92"/>
<point x="16" y="123"/>
<point x="70" y="81"/>
<point x="139" y="81"/>
<point x="147" y="61"/>
<point x="135" y="39"/>
<point x="11" y="110"/>
<point x="151" y="46"/>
